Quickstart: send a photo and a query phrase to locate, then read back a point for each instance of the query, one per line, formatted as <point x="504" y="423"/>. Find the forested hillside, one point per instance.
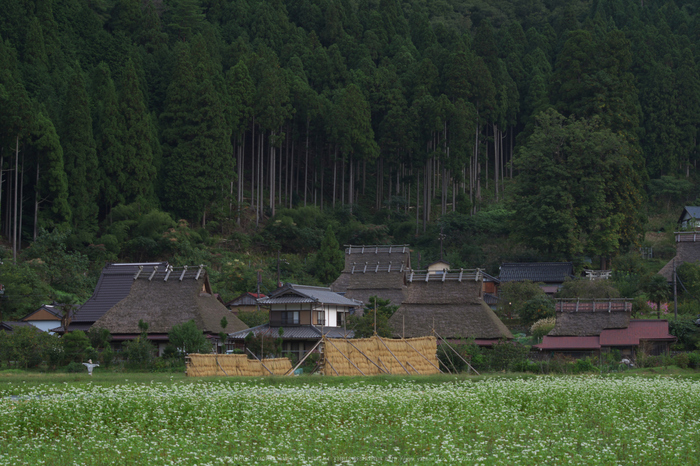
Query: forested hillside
<point x="223" y="131"/>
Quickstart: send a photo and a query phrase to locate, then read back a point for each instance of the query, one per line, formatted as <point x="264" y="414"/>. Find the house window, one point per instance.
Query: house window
<point x="341" y="319"/>
<point x="290" y="317"/>
<point x="320" y="318"/>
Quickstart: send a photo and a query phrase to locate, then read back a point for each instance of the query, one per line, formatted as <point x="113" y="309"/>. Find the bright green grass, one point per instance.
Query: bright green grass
<point x="309" y="420"/>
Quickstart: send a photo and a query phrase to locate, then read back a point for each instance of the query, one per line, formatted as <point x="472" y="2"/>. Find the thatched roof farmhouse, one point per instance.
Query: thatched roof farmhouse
<point x="687" y="250"/>
<point x="374" y="271"/>
<point x="452" y="304"/>
<point x="586" y="327"/>
<point x="164" y="297"/>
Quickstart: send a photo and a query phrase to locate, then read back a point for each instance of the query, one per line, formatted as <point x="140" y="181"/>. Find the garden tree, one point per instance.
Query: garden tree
<point x="74" y="345"/>
<point x="109" y="131"/>
<point x="80" y="157"/>
<point x="187" y="338"/>
<point x="588" y="289"/>
<point x="99" y="338"/>
<point x="63" y="270"/>
<point x="51" y="181"/>
<point x="330" y="260"/>
<point x="577" y="190"/>
<point x="514" y="295"/>
<point x="223" y="336"/>
<point x="364" y="326"/>
<point x="137" y="172"/>
<point x="657" y="289"/>
<point x="537" y="308"/>
<point x="25" y="290"/>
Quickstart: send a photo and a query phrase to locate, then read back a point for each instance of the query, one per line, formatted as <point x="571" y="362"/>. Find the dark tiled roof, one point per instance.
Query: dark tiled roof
<point x="9" y="326"/>
<point x="546" y="272"/>
<point x="491" y="299"/>
<point x="303" y="332"/>
<point x="113" y="286"/>
<point x="292" y="294"/>
<point x="246" y="299"/>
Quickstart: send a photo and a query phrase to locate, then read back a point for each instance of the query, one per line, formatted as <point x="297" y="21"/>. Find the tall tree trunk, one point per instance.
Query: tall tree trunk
<point x="335" y="173"/>
<point x="306" y="166"/>
<point x="496" y="157"/>
<point x="351" y="183"/>
<point x="342" y="182"/>
<point x="36" y="200"/>
<point x="21" y="202"/>
<point x="14" y="226"/>
<point x="417" y="202"/>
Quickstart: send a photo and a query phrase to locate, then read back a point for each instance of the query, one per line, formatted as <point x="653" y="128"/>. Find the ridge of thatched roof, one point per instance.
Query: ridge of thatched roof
<point x="164" y="303"/>
<point x="591" y="317"/>
<point x="545" y="272"/>
<point x="454" y="308"/>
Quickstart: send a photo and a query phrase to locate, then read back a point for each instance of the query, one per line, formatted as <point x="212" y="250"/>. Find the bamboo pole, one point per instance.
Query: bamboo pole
<point x="448" y="369"/>
<point x="263" y="364"/>
<point x="343" y="355"/>
<point x="219" y="364"/>
<point x="363" y="354"/>
<point x="385" y="368"/>
<point x="422" y="356"/>
<point x="407" y="362"/>
<point x="304" y="358"/>
<point x="397" y="359"/>
<point x="455" y="351"/>
<point x="329" y="363"/>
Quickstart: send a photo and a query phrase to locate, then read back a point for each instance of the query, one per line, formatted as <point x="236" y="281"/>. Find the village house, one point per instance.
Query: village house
<point x="113" y="285"/>
<point x="690" y="218"/>
<point x="47" y="317"/>
<point x="587" y="327"/>
<point x="162" y="298"/>
<point x="450" y="305"/>
<point x="374" y="271"/>
<point x="551" y="275"/>
<point x="247" y="302"/>
<point x="304" y="314"/>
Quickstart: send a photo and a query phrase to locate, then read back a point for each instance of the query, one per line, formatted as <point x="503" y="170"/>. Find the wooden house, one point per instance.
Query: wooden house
<point x="551" y="275"/>
<point x="247" y="302"/>
<point x="690" y="218"/>
<point x="451" y="304"/>
<point x="374" y="271"/>
<point x="47" y="317"/>
<point x="163" y="298"/>
<point x="587" y="327"/>
<point x="304" y="313"/>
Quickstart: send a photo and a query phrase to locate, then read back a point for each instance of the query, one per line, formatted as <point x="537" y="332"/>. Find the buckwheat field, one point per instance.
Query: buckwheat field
<point x="573" y="420"/>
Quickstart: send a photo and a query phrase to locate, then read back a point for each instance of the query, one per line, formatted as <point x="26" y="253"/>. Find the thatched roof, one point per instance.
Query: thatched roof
<point x="590" y="317"/>
<point x="453" y="308"/>
<point x="370" y="268"/>
<point x="687" y="250"/>
<point x="164" y="303"/>
<point x="113" y="286"/>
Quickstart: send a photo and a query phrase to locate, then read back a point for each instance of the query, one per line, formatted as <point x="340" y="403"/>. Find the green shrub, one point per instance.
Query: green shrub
<point x="694" y="360"/>
<point x="75" y="367"/>
<point x="681" y="360"/>
<point x="584" y="365"/>
<point x="506" y="355"/>
<point x="542" y="327"/>
<point x="139" y="353"/>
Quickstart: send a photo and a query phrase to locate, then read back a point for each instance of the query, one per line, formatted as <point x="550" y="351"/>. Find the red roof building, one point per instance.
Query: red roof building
<point x="585" y="327"/>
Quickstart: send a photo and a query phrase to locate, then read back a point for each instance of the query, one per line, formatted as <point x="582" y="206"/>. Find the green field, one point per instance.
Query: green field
<point x="313" y="420"/>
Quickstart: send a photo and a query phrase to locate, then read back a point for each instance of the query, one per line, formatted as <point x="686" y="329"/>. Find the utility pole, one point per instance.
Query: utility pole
<point x="675" y="291"/>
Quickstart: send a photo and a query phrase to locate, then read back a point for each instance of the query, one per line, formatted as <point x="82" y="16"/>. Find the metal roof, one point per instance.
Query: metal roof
<point x="639" y="329"/>
<point x="691" y="211"/>
<point x="569" y="343"/>
<point x="547" y="272"/>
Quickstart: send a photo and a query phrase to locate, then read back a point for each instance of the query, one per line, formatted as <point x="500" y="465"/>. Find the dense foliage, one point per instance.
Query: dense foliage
<point x="199" y="131"/>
